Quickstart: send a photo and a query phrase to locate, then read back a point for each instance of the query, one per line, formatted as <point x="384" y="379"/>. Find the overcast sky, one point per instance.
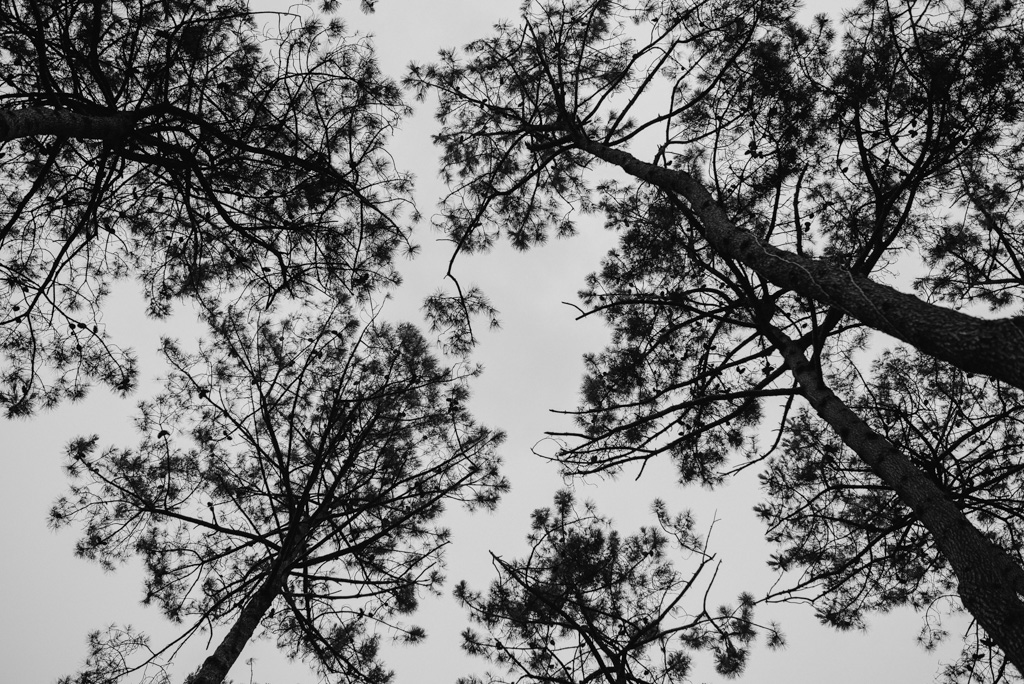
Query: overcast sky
<point x="52" y="599"/>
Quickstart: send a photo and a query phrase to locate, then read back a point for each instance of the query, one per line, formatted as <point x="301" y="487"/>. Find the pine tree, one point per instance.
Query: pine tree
<point x="587" y="604"/>
<point x="289" y="479"/>
<point x="771" y="178"/>
<point x="192" y="146"/>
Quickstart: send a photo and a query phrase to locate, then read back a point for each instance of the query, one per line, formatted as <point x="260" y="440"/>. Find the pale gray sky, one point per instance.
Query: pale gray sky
<point x="50" y="599"/>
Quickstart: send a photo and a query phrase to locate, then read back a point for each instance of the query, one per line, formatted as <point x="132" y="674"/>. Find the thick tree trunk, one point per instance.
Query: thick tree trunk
<point x="991" y="584"/>
<point x="22" y="123"/>
<point x="990" y="347"/>
<point x="215" y="668"/>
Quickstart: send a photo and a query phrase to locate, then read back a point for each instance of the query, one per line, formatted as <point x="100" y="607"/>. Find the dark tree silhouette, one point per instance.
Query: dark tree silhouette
<point x="587" y="605"/>
<point x="195" y="146"/>
<point x="858" y="546"/>
<point x="787" y="175"/>
<point x="290" y="477"/>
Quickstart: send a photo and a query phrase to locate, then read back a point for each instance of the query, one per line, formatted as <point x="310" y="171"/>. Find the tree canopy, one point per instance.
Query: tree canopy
<point x="289" y="478"/>
<point x="817" y="228"/>
<point x="196" y="147"/>
<point x="782" y="190"/>
<point x="586" y="604"/>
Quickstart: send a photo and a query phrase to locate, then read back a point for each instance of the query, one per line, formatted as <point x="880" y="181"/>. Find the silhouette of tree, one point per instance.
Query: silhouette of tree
<point x="289" y="478"/>
<point x="195" y="146"/>
<point x="786" y="175"/>
<point x="587" y="605"/>
<point x="862" y="549"/>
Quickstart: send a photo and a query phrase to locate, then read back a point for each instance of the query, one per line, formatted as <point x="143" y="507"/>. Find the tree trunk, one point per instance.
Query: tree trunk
<point x="215" y="668"/>
<point x="22" y="123"/>
<point x="991" y="584"/>
<point x="990" y="347"/>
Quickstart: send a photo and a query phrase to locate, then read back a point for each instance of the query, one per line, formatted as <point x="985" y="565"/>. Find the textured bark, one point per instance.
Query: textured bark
<point x="22" y="123"/>
<point x="990" y="347"/>
<point x="216" y="667"/>
<point x="990" y="583"/>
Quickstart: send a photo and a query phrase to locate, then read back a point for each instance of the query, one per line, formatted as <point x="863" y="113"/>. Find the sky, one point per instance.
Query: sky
<point x="50" y="599"/>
